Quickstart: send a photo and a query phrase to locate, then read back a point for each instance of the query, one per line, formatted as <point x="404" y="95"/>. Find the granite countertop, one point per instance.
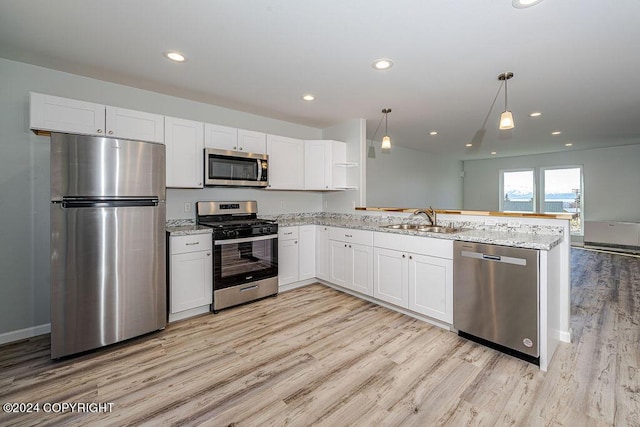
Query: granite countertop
<point x="542" y="238"/>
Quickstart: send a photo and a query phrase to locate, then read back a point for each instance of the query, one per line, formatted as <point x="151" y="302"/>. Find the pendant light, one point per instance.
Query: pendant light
<point x="386" y="139"/>
<point x="506" y="118"/>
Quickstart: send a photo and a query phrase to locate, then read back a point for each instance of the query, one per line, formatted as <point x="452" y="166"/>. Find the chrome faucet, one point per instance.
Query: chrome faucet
<point x="430" y="213"/>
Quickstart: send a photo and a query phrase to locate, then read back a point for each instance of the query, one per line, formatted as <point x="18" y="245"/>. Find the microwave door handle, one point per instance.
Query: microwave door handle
<point x="259" y="170"/>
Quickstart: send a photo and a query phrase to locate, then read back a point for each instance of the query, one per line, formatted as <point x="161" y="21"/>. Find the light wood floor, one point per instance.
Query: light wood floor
<point x="316" y="356"/>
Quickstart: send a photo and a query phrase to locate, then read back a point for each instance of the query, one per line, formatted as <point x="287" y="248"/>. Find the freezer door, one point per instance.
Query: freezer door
<point x="108" y="275"/>
<point x="94" y="167"/>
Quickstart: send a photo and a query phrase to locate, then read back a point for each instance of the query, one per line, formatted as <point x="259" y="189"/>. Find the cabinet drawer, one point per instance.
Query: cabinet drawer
<point x="360" y="237"/>
<point x="190" y="243"/>
<point x="441" y="248"/>
<point x="287" y="233"/>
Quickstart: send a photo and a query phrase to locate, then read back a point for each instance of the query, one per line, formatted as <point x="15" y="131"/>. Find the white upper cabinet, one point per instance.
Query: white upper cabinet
<point x="131" y="124"/>
<point x="286" y="163"/>
<point x="220" y="137"/>
<point x="185" y="143"/>
<point x="55" y="114"/>
<point x="325" y="165"/>
<point x="252" y="142"/>
<point x="232" y="139"/>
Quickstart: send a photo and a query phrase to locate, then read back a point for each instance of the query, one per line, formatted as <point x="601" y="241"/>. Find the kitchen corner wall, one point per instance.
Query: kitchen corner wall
<point x="24" y="179"/>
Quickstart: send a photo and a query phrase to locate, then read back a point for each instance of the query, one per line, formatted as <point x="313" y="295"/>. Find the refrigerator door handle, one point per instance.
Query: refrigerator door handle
<point x="108" y="203"/>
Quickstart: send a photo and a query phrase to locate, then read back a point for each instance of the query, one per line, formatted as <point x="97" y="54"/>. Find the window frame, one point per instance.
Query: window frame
<point x="541" y="178"/>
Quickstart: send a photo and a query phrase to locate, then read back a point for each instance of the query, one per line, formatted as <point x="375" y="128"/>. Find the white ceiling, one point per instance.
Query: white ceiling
<point x="577" y="61"/>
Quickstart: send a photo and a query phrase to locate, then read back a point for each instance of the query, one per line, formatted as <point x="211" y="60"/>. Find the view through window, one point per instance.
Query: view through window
<point x="560" y="191"/>
<point x="518" y="191"/>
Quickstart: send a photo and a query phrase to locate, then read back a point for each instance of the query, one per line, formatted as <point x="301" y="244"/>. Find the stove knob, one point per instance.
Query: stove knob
<point x="233" y="233"/>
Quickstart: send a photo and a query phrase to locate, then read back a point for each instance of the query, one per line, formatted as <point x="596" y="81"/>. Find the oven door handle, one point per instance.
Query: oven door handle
<point x="244" y="240"/>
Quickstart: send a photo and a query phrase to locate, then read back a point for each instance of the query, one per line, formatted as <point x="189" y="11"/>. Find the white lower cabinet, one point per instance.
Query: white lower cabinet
<point x="306" y="252"/>
<point x="431" y="286"/>
<point x="351" y="259"/>
<point x="391" y="277"/>
<point x="415" y="273"/>
<point x="288" y="255"/>
<point x="296" y="254"/>
<point x="322" y="252"/>
<point x="190" y="275"/>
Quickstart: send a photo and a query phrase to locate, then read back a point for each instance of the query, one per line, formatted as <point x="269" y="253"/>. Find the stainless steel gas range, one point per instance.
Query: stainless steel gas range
<point x="245" y="262"/>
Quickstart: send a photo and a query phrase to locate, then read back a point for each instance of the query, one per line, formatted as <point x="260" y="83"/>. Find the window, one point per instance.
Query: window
<point x="517" y="190"/>
<point x="561" y="189"/>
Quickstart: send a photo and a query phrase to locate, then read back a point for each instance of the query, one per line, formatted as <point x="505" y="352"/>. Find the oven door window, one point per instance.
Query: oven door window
<point x="232" y="168"/>
<point x="236" y="263"/>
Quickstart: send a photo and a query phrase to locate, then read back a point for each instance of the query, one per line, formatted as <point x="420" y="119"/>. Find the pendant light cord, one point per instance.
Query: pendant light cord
<point x="506" y="108"/>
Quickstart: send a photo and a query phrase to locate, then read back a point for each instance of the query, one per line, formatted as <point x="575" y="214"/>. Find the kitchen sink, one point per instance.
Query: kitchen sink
<point x="424" y="228"/>
<point x="439" y="229"/>
<point x="402" y="226"/>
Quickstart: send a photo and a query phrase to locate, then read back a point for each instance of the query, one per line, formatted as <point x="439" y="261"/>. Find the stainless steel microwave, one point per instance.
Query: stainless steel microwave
<point x="235" y="169"/>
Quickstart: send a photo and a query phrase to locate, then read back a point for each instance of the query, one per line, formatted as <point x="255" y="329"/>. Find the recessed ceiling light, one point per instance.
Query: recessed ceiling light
<point x="433" y="132"/>
<point x="382" y="64"/>
<point x="568" y="144"/>
<point x="468" y="145"/>
<point x="308" y="97"/>
<point x="175" y="56"/>
<point x="493" y="153"/>
<point x="522" y="4"/>
<point x="556" y="132"/>
<point x="535" y="114"/>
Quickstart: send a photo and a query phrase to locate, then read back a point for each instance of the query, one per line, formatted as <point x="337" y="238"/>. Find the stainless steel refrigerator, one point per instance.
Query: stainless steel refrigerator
<point x="108" y="245"/>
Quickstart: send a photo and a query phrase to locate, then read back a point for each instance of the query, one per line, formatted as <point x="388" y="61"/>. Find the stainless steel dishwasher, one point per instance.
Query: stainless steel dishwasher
<point x="496" y="297"/>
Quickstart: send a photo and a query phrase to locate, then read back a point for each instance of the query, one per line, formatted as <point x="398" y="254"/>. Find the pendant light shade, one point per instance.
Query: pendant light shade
<point x="386" y="144"/>
<point x="506" y="118"/>
<point x="372" y="151"/>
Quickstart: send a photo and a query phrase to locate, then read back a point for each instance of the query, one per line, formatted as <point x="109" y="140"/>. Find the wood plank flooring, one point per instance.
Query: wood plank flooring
<point x="316" y="356"/>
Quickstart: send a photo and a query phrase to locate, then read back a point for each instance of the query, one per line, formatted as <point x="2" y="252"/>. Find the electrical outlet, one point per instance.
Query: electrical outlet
<point x="187" y="207"/>
<point x="490" y="222"/>
<point x="513" y="223"/>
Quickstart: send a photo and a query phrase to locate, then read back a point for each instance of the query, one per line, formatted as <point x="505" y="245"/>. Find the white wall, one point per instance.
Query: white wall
<point x="24" y="177"/>
<point x="413" y="179"/>
<point x="611" y="180"/>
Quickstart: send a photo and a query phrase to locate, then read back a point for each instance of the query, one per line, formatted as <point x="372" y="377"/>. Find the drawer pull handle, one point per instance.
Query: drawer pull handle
<point x="192" y="244"/>
<point x="289" y="233"/>
<point x="348" y="235"/>
<point x="249" y="288"/>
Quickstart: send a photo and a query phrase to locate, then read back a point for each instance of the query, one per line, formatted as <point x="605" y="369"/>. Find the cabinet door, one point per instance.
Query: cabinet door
<point x="361" y="265"/>
<point x="185" y="143"/>
<point x="191" y="283"/>
<point x="286" y="163"/>
<point x="431" y="286"/>
<point x="322" y="252"/>
<point x="287" y="261"/>
<point x="307" y="252"/>
<point x="338" y="272"/>
<point x="220" y="137"/>
<point x="57" y="114"/>
<point x="317" y="165"/>
<point x="131" y="124"/>
<point x="390" y="276"/>
<point x="252" y="142"/>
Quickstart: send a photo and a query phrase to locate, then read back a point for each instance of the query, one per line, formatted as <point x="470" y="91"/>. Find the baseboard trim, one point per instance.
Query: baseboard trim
<point x="565" y="336"/>
<point x="296" y="285"/>
<point x="22" y="334"/>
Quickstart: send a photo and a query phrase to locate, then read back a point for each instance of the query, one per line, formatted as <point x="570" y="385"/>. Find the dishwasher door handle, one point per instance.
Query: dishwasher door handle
<point x="494" y="258"/>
